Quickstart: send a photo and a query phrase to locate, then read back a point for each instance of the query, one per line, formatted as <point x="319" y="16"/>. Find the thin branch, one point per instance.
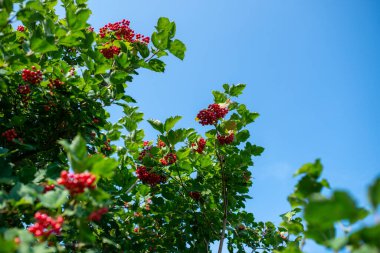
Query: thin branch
<point x="133" y="186"/>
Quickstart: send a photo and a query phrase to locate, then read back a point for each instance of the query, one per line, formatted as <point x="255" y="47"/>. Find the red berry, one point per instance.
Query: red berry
<point x="168" y="159"/>
<point x="9" y="135"/>
<point x="225" y="139"/>
<point x="46" y="225"/>
<point x="195" y="195"/>
<point x="148" y="177"/>
<point x="199" y="147"/>
<point x="110" y="52"/>
<point x="21" y="28"/>
<point x="76" y="183"/>
<point x="32" y="76"/>
<point x="23" y="89"/>
<point x="212" y="114"/>
<point x="122" y="31"/>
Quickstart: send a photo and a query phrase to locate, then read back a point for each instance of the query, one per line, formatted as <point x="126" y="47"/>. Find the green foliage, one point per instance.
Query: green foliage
<point x="58" y="152"/>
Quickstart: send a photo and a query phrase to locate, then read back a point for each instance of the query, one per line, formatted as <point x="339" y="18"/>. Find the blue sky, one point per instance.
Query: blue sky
<point x="312" y="70"/>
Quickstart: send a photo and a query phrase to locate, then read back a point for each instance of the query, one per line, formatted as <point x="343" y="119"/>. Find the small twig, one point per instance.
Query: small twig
<point x="133" y="186"/>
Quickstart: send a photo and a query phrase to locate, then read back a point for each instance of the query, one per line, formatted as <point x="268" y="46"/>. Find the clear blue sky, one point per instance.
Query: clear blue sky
<point x="312" y="70"/>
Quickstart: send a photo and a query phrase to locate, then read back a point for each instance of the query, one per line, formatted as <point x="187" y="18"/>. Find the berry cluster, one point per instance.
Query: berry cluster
<point x="148" y="177"/>
<point x="226" y="139"/>
<point x="195" y="195"/>
<point x="107" y="146"/>
<point x="168" y="159"/>
<point x="76" y="183"/>
<point x="110" y="52"/>
<point x="161" y="144"/>
<point x="56" y="83"/>
<point x="121" y="31"/>
<point x="32" y="76"/>
<point x="97" y="215"/>
<point x="21" y="28"/>
<point x="23" y="89"/>
<point x="212" y="114"/>
<point x="199" y="146"/>
<point x="49" y="187"/>
<point x="145" y="152"/>
<point x="46" y="225"/>
<point x="10" y="134"/>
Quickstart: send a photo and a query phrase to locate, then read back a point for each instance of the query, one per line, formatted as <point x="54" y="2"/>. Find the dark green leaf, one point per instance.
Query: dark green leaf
<point x="157" y="65"/>
<point x="374" y="193"/>
<point x="118" y="77"/>
<point x="156" y="124"/>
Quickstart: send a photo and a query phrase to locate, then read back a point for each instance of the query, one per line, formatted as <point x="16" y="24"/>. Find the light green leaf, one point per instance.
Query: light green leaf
<point x="54" y="199"/>
<point x="170" y="122"/>
<point x="177" y="48"/>
<point x="104" y="168"/>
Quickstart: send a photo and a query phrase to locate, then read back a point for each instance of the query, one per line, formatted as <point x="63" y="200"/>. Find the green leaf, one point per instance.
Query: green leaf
<point x="367" y="235"/>
<point x="242" y="136"/>
<point x="161" y="40"/>
<point x="170" y="122"/>
<point x="118" y="77"/>
<point x="177" y="48"/>
<point x="374" y="193"/>
<point x="156" y="124"/>
<point x="325" y="212"/>
<point x="3" y="17"/>
<point x="41" y="43"/>
<point x="104" y="168"/>
<point x="176" y="136"/>
<point x="82" y="15"/>
<point x="76" y="152"/>
<point x="157" y="65"/>
<point x="219" y="97"/>
<point x="311" y="169"/>
<point x="162" y="24"/>
<point x="143" y="49"/>
<point x="54" y="199"/>
<point x="236" y="90"/>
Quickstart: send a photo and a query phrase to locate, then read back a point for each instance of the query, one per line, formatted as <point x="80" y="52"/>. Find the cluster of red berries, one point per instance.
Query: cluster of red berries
<point x="168" y="159"/>
<point x="32" y="76"/>
<point x="95" y="121"/>
<point x="121" y="31"/>
<point x="90" y="29"/>
<point x="21" y="28"/>
<point x="148" y="177"/>
<point x="145" y="152"/>
<point x="76" y="183"/>
<point x="195" y="195"/>
<point x="49" y="187"/>
<point x="23" y="89"/>
<point x="10" y="134"/>
<point x="56" y="83"/>
<point x="161" y="144"/>
<point x="97" y="215"/>
<point x="212" y="114"/>
<point x="200" y="146"/>
<point x="226" y="139"/>
<point x="110" y="52"/>
<point x="46" y="225"/>
<point x="107" y="146"/>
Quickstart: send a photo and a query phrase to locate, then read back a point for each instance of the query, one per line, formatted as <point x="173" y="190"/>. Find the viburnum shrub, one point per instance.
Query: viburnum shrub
<point x="65" y="188"/>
